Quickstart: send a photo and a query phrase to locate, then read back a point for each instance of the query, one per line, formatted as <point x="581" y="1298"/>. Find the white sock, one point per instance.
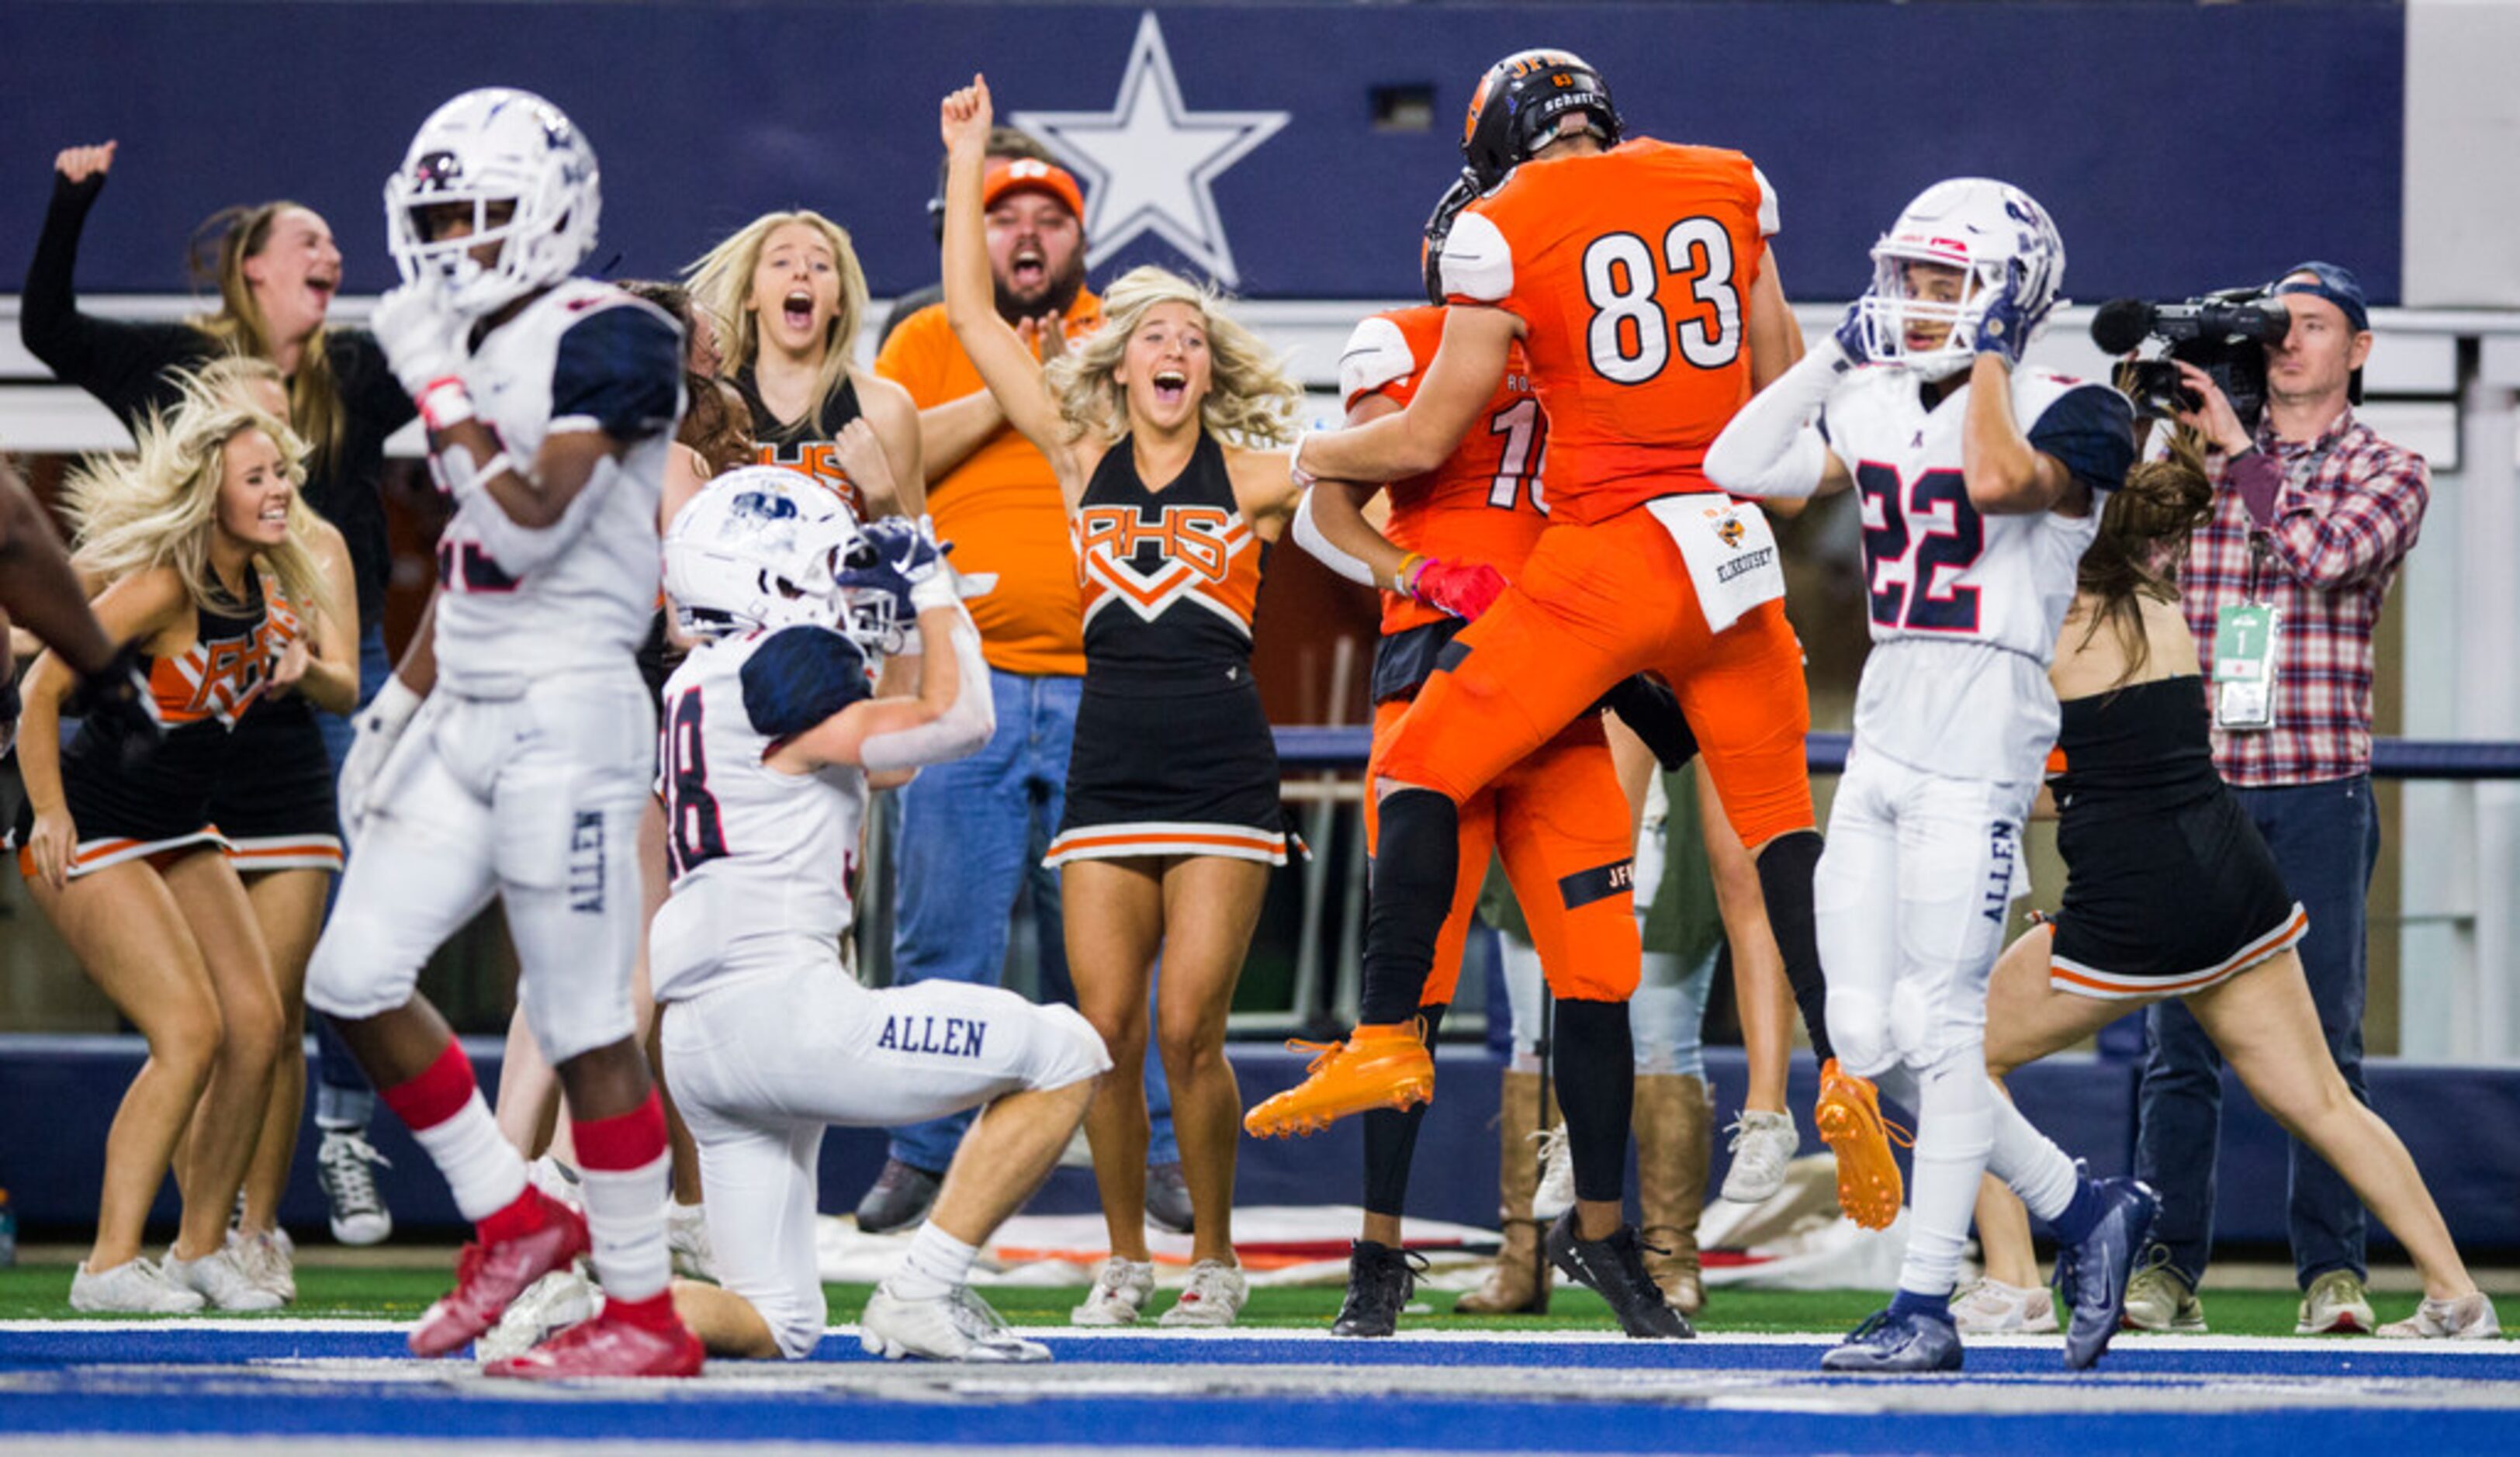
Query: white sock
<point x="2029" y="1162"/>
<point x="934" y="1264"/>
<point x="1954" y="1130"/>
<point x="625" y="1220"/>
<point x="482" y="1168"/>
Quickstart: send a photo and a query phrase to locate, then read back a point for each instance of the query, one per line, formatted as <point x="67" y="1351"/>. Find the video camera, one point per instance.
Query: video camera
<point x="2225" y="334"/>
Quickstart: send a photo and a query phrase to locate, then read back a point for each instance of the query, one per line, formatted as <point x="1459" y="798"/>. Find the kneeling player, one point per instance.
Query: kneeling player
<point x="769" y="735"/>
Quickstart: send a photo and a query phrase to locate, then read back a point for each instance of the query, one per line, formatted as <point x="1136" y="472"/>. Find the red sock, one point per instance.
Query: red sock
<point x="654" y="1314"/>
<point x="443" y="1109"/>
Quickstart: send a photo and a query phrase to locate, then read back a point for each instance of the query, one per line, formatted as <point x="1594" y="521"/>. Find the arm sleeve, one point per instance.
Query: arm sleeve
<point x="1322" y="549"/>
<point x="2367" y="528"/>
<point x="117" y="362"/>
<point x="962" y="729"/>
<point x="800" y="676"/>
<point x="620" y="371"/>
<point x="2091" y="429"/>
<point x="1771" y="447"/>
<point x="1769" y="223"/>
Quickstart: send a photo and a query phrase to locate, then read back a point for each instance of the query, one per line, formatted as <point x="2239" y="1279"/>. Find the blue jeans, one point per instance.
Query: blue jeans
<point x="342" y="1098"/>
<point x="972" y="832"/>
<point x="2327" y="840"/>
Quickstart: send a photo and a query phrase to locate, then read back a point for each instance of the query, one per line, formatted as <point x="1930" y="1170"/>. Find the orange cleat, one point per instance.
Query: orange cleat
<point x="1849" y="1115"/>
<point x="1376" y="1066"/>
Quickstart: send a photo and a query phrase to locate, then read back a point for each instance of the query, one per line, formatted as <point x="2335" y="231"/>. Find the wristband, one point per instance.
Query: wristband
<point x="1404" y="577"/>
<point x="444" y="403"/>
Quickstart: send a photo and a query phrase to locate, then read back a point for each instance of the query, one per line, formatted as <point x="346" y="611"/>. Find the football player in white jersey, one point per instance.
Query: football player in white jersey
<point x="1980" y="482"/>
<point x="770" y="733"/>
<point x="509" y="755"/>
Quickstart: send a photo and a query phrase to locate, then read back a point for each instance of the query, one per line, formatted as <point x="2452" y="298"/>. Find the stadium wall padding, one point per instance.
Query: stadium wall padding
<point x="2179" y="147"/>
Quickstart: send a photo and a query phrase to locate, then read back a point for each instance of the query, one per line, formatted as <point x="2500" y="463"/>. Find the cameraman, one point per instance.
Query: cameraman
<point x="2313" y="514"/>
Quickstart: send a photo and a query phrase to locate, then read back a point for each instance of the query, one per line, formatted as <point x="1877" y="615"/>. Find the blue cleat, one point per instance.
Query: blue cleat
<point x="2092" y="1275"/>
<point x="1891" y="1344"/>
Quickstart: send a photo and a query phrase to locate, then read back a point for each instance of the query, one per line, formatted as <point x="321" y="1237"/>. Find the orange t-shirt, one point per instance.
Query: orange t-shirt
<point x="1000" y="507"/>
<point x="1484" y="503"/>
<point x="1630" y="269"/>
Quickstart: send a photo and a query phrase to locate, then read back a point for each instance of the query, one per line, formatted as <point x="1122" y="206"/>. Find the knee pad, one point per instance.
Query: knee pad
<point x="346" y="978"/>
<point x="1860" y="1031"/>
<point x="1069" y="1051"/>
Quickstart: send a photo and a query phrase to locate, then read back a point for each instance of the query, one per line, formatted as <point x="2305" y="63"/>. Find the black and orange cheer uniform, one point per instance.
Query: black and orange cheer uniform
<point x="2169" y="886"/>
<point x="805" y="445"/>
<point x="1173" y="753"/>
<point x="166" y="801"/>
<point x="1558" y="815"/>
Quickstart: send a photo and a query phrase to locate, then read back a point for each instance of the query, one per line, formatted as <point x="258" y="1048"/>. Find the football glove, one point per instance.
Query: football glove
<point x="898" y="556"/>
<point x="380" y="727"/>
<point x="2006" y="326"/>
<point x="1465" y="590"/>
<point x="422" y="340"/>
<point x="1850" y="333"/>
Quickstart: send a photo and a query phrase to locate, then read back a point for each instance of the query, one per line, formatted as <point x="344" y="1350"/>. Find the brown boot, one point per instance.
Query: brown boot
<point x="1518" y="1283"/>
<point x="1674" y="1133"/>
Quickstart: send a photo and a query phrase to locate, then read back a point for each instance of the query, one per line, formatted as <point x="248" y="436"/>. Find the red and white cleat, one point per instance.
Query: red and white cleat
<point x="488" y="1276"/>
<point x="611" y="1344"/>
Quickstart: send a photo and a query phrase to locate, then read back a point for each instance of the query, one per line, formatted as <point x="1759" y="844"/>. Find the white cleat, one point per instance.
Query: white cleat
<point x="687" y="1236"/>
<point x="954" y="1327"/>
<point x="550" y="1305"/>
<point x="2470" y="1317"/>
<point x="135" y="1287"/>
<point x="1119" y="1296"/>
<point x="1991" y="1307"/>
<point x="1762" y="1144"/>
<point x="1213" y="1297"/>
<point x="222" y="1280"/>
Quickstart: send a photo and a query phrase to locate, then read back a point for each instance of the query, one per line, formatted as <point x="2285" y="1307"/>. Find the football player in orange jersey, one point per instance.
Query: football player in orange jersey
<point x="1636" y="278"/>
<point x="1558" y="815"/>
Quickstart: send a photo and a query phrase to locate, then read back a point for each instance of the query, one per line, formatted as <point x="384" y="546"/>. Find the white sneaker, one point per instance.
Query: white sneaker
<point x="1556" y="1193"/>
<point x="135" y="1287"/>
<point x="956" y="1327"/>
<point x="2470" y="1317"/>
<point x="1213" y="1297"/>
<point x="550" y="1305"/>
<point x="687" y="1236"/>
<point x="359" y="1215"/>
<point x="1762" y="1144"/>
<point x="265" y="1257"/>
<point x="1120" y="1291"/>
<point x="558" y="1180"/>
<point x="2336" y="1303"/>
<point x="223" y="1281"/>
<point x="1991" y="1307"/>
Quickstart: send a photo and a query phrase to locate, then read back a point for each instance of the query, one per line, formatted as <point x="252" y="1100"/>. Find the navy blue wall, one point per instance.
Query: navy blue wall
<point x="2179" y="147"/>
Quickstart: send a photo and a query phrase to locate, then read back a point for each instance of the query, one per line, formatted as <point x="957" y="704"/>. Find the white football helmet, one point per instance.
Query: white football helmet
<point x="1975" y="224"/>
<point x="495" y="145"/>
<point x="759" y="547"/>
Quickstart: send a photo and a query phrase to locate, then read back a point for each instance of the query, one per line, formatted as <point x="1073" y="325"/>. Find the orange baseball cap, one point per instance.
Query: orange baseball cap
<point x="1038" y="176"/>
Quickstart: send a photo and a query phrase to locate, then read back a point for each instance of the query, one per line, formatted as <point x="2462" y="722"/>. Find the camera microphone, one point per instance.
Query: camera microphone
<point x="2120" y="325"/>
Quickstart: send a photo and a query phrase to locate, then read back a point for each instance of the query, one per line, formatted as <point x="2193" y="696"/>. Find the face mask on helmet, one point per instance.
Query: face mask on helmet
<point x="527" y="180"/>
<point x="1518" y="107"/>
<point x="1439" y="226"/>
<point x="758" y="548"/>
<point x="1948" y="256"/>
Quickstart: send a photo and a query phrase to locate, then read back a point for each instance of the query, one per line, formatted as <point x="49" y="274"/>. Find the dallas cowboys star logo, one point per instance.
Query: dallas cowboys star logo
<point x="1150" y="163"/>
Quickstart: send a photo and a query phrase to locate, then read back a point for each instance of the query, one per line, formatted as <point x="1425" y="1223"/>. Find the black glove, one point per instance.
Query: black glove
<point x="1652" y="713"/>
<point x="118" y="707"/>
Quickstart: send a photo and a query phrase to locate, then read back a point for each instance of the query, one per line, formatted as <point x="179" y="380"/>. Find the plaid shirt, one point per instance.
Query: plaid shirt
<point x="2344" y="518"/>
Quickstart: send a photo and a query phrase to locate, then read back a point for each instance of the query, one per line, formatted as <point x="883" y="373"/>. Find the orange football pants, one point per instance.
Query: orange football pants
<point x="1562" y="822"/>
<point x="1593" y="605"/>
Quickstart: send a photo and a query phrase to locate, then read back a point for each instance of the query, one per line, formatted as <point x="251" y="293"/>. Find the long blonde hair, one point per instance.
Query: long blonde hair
<point x="158" y="506"/>
<point x="1250" y="400"/>
<point x="720" y="283"/>
<point x="239" y="327"/>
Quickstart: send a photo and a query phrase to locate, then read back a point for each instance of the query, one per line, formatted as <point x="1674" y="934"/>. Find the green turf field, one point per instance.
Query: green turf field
<point x="40" y="1292"/>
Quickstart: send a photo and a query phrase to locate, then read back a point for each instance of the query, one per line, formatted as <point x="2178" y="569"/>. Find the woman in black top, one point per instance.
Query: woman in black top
<point x="277" y="272"/>
<point x="2170" y="892"/>
<point x="788" y="298"/>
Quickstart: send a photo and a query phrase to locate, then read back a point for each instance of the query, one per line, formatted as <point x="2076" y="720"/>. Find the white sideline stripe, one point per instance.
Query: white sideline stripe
<point x="2129" y="1340"/>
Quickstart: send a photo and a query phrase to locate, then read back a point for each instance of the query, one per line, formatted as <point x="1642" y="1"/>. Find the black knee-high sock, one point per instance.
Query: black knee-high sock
<point x="1595" y="1065"/>
<point x="1416" y="857"/>
<point x="1785" y="869"/>
<point x="1391" y="1141"/>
